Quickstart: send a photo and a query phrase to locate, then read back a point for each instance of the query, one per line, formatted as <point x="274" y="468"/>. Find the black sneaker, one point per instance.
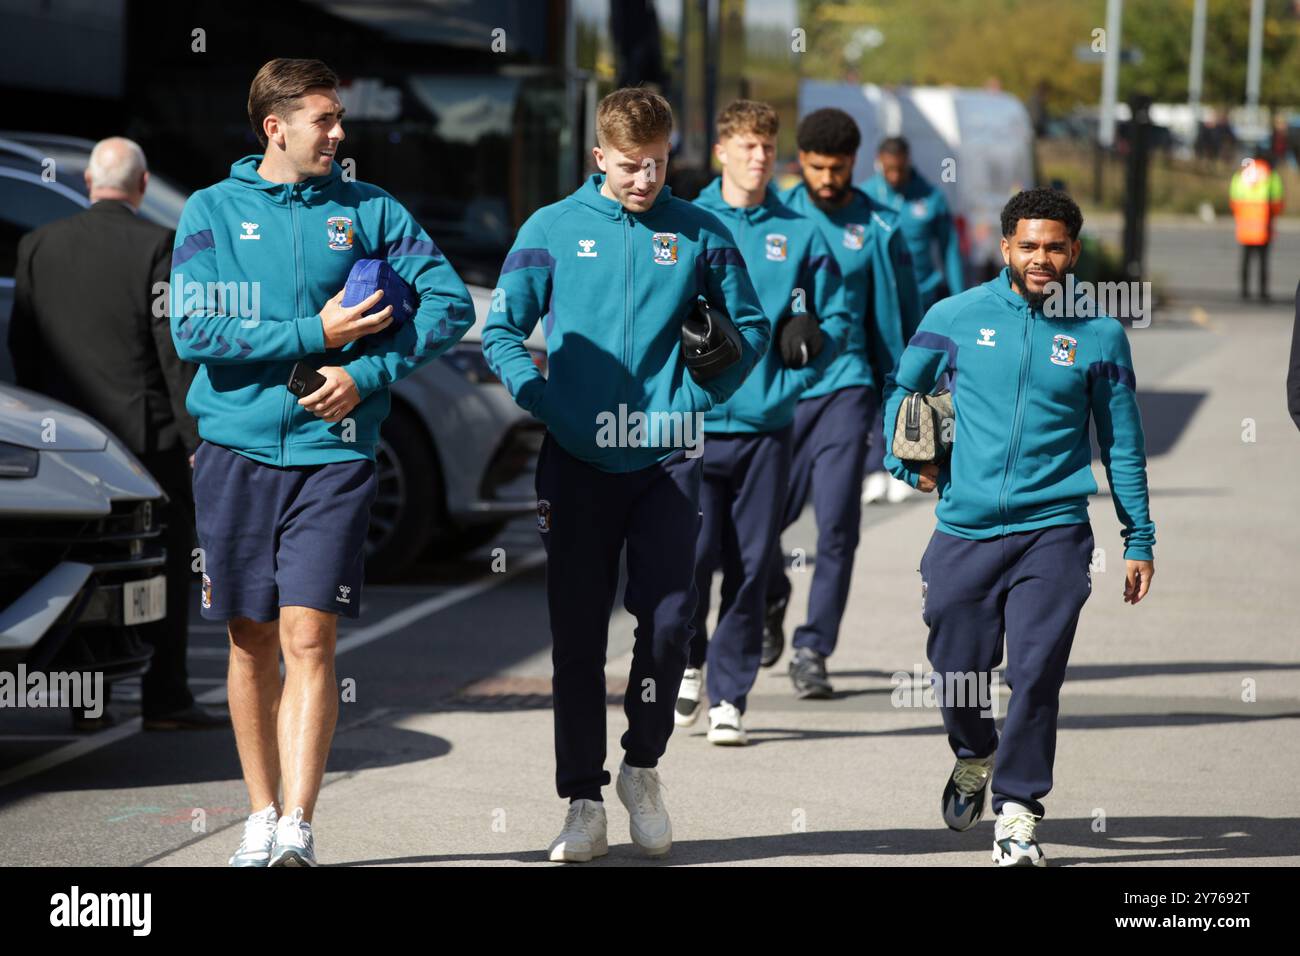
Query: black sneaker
<point x="808" y="674"/>
<point x="963" y="797"/>
<point x="774" y="632"/>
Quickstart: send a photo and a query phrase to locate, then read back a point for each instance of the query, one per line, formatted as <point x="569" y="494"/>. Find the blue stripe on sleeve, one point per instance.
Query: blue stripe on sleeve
<point x="527" y="259"/>
<point x="192" y="245"/>
<point x="1111" y="372"/>
<point x="413" y="246"/>
<point x="726" y="256"/>
<point x="939" y="343"/>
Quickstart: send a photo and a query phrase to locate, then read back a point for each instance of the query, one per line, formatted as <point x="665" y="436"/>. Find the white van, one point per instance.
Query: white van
<point x="976" y="145"/>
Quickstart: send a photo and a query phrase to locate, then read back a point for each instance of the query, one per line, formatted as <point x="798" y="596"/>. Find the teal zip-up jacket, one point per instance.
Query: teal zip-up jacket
<point x="1023" y="388"/>
<point x="878" y="284"/>
<point x="612" y="288"/>
<point x="925" y="219"/>
<point x="253" y="264"/>
<point x="792" y="269"/>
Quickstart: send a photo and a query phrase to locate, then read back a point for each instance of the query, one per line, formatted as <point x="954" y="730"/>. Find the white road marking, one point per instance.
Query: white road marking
<point x="358" y="638"/>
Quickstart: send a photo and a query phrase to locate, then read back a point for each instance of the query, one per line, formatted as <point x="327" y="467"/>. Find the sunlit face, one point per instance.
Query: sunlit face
<point x="828" y="178"/>
<point x="1040" y="251"/>
<point x="633" y="178"/>
<point x="894" y="169"/>
<point x="310" y="134"/>
<point x="748" y="160"/>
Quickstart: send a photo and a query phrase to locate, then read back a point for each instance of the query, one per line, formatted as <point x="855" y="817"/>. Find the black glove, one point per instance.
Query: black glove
<point x="710" y="343"/>
<point x="800" y="340"/>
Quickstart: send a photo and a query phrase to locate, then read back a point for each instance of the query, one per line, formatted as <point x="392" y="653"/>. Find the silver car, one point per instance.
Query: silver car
<point x="456" y="455"/>
<point x="81" y="554"/>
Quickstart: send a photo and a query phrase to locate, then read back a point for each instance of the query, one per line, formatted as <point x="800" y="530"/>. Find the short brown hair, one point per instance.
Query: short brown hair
<point x="279" y="83"/>
<point x="633" y="116"/>
<point x="747" y="116"/>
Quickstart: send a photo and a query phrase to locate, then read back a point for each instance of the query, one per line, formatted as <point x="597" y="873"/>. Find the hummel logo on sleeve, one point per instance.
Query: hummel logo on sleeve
<point x="250" y="230"/>
<point x="344" y="591"/>
<point x="987" y="337"/>
<point x="587" y="246"/>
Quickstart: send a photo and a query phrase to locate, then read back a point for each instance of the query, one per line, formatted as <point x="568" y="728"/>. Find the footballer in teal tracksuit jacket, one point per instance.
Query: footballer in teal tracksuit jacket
<point x="1024" y="386"/>
<point x="1010" y="564"/>
<point x="833" y="421"/>
<point x="879" y="284"/>
<point x="785" y="252"/>
<point x="612" y="288"/>
<point x="925" y="221"/>
<point x="747" y="457"/>
<point x="254" y="263"/>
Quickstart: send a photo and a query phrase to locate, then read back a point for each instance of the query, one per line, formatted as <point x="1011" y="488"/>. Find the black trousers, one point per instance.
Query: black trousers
<point x="586" y="516"/>
<point x="1260" y="253"/>
<point x="165" y="687"/>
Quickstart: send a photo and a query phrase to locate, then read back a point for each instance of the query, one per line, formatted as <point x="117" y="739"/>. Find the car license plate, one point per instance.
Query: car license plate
<point x="144" y="601"/>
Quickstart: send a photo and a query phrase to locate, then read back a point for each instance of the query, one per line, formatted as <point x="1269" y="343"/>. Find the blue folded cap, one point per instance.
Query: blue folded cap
<point x="366" y="276"/>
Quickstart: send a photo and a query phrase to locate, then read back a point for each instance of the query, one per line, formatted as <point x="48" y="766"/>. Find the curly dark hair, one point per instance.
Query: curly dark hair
<point x="1042" y="203"/>
<point x="830" y="132"/>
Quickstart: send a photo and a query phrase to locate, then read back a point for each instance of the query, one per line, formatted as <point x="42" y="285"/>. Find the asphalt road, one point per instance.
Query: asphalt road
<point x="1180" y="729"/>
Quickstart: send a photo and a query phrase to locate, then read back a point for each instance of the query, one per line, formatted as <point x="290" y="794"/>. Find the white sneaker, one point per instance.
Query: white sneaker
<point x="259" y="837"/>
<point x="294" y="844"/>
<point x="584" y="835"/>
<point x="1014" y="843"/>
<point x="639" y="789"/>
<point x="725" y="727"/>
<point x="876" y="485"/>
<point x="898" y="491"/>
<point x="688" y="698"/>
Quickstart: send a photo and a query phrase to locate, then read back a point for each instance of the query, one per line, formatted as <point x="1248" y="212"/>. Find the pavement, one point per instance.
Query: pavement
<point x="1180" y="727"/>
<point x="1179" y="735"/>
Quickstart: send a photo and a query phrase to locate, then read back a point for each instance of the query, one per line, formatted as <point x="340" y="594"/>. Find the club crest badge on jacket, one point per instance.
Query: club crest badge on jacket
<point x="1063" y="349"/>
<point x="339" y="231"/>
<point x="665" y="248"/>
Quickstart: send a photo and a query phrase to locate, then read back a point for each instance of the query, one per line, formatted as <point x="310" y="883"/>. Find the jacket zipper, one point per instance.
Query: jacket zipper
<point x="742" y="220"/>
<point x="297" y="298"/>
<point x="1013" y="450"/>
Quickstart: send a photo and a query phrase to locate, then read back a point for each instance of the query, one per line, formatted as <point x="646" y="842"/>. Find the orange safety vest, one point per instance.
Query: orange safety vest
<point x="1256" y="197"/>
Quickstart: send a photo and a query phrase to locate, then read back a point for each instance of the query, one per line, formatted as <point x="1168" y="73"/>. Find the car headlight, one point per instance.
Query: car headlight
<point x="18" y="462"/>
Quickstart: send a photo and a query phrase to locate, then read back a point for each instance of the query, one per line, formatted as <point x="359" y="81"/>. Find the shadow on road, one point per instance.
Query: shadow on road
<point x="1127" y="840"/>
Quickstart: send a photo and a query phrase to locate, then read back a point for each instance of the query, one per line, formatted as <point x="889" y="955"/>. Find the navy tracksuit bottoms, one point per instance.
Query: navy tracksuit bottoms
<point x="1027" y="587"/>
<point x="741" y="502"/>
<point x="829" y="453"/>
<point x="585" y="516"/>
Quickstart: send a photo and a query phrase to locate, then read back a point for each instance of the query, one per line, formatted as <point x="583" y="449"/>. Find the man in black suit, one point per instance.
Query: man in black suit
<point x="85" y="331"/>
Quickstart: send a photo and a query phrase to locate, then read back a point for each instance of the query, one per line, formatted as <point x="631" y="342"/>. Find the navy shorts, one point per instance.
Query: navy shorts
<point x="278" y="537"/>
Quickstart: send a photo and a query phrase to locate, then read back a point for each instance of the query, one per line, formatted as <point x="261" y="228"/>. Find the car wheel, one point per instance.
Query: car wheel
<point x="404" y="513"/>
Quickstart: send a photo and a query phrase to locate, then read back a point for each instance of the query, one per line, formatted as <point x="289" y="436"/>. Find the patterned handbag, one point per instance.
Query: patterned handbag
<point x="924" y="428"/>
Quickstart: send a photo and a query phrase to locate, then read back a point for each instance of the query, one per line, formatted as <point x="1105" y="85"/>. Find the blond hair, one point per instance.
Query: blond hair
<point x="633" y="116"/>
<point x="747" y="116"/>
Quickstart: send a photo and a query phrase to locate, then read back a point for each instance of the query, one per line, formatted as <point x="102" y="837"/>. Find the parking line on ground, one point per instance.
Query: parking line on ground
<point x="358" y="638"/>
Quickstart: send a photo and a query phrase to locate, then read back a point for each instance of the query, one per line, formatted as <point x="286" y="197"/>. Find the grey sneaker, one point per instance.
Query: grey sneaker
<point x="808" y="674"/>
<point x="259" y="837"/>
<point x="294" y="845"/>
<point x="965" y="792"/>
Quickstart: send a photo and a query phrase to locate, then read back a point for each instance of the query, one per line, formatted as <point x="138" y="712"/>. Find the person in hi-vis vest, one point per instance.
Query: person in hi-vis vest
<point x="1256" y="196"/>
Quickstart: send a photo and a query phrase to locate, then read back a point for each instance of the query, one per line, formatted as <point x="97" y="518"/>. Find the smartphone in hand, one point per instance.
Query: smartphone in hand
<point x="304" y="379"/>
